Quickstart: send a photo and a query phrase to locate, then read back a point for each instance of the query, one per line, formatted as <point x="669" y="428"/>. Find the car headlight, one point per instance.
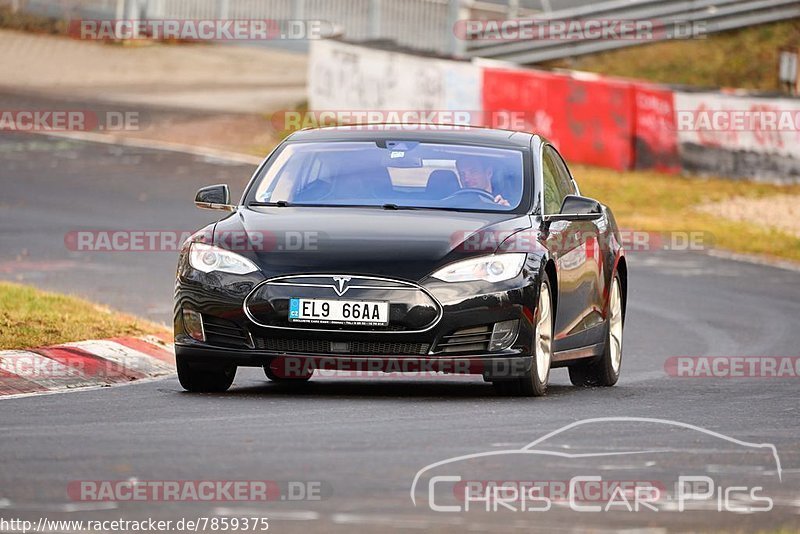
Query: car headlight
<point x="494" y="268"/>
<point x="207" y="258"/>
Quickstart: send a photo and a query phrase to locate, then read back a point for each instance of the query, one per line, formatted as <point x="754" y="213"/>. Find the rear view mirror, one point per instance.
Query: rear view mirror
<point x="214" y="197"/>
<point x="577" y="208"/>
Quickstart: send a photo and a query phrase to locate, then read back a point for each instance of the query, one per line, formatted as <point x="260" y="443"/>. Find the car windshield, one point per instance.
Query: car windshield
<point x="401" y="174"/>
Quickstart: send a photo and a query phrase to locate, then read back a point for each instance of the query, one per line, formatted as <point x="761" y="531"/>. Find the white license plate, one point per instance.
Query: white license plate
<point x="350" y="312"/>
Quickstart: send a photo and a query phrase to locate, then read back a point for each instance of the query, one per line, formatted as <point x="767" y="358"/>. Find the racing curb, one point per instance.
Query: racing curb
<point x="82" y="364"/>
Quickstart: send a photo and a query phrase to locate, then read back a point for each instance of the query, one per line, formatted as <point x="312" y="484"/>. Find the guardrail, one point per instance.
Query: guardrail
<point x="422" y="25"/>
<point x="709" y="15"/>
<point x="430" y="25"/>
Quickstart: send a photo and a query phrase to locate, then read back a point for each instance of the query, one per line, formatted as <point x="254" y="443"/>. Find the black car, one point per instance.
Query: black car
<point x="404" y="248"/>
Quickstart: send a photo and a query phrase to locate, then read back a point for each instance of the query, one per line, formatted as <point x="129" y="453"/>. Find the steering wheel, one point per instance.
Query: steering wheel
<point x="485" y="195"/>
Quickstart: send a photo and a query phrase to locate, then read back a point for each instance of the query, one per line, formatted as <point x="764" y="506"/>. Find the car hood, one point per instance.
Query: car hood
<point x="407" y="244"/>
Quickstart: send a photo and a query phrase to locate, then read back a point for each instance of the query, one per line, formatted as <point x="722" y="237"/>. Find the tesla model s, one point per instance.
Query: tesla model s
<point x="404" y="249"/>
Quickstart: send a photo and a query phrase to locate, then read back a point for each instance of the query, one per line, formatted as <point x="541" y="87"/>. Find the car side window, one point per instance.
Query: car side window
<point x="553" y="172"/>
<point x="563" y="178"/>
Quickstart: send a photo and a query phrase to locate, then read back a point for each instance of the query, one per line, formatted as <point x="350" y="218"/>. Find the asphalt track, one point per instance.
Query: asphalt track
<point x="364" y="439"/>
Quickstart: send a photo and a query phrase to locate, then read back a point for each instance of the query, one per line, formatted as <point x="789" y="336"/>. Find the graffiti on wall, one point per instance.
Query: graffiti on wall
<point x="739" y="136"/>
<point x="349" y="77"/>
<point x="655" y="142"/>
<point x="588" y="118"/>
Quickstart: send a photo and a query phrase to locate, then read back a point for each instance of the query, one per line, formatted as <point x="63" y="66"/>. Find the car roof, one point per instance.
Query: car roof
<point x="417" y="132"/>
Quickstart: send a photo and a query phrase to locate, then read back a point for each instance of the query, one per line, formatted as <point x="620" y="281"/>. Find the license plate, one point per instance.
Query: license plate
<point x="349" y="312"/>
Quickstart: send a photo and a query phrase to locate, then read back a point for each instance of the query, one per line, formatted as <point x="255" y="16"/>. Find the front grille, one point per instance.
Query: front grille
<point x="475" y="339"/>
<point x="224" y="332"/>
<point x="411" y="308"/>
<point x="315" y="346"/>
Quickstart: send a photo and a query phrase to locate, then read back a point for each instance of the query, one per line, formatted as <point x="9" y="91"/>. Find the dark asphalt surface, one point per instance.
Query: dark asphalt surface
<point x="365" y="439"/>
<point x="51" y="187"/>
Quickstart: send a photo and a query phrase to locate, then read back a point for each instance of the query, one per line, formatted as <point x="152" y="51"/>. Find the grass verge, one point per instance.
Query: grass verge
<point x="30" y="317"/>
<point x="654" y="202"/>
<point x="746" y="58"/>
<point x="31" y="22"/>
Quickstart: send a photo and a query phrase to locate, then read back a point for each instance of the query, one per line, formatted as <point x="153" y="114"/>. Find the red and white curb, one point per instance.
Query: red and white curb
<point x="83" y="364"/>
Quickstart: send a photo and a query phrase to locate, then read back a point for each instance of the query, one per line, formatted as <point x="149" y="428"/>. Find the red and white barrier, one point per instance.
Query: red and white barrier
<point x="655" y="143"/>
<point x="84" y="364"/>
<point x="589" y="118"/>
<point x="739" y="136"/>
<point x="597" y="120"/>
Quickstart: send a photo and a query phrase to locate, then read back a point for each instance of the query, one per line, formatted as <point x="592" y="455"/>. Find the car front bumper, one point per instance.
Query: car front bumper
<point x="458" y="341"/>
<point x="492" y="366"/>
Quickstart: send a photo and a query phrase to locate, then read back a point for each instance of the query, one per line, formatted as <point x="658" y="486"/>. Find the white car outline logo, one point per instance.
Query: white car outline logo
<point x="528" y="449"/>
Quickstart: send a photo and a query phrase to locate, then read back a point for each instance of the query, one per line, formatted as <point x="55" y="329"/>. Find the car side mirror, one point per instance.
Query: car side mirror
<point x="214" y="197"/>
<point x="577" y="208"/>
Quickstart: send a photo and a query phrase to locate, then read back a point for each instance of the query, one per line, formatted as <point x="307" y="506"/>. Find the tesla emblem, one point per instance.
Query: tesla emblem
<point x="341" y="284"/>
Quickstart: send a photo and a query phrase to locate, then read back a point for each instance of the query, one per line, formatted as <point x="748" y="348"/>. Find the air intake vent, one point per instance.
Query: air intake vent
<point x="475" y="339"/>
<point x="315" y="346"/>
<point x="224" y="332"/>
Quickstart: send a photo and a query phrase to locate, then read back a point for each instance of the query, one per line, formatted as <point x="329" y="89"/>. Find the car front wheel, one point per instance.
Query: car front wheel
<point x="199" y="379"/>
<point x="604" y="371"/>
<point x="534" y="382"/>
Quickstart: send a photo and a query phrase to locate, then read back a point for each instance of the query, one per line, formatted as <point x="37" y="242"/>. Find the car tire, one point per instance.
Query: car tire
<point x="204" y="379"/>
<point x="604" y="370"/>
<point x="534" y="382"/>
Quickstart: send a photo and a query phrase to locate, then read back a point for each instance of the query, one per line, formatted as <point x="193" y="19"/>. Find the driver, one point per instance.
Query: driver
<point x="476" y="173"/>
